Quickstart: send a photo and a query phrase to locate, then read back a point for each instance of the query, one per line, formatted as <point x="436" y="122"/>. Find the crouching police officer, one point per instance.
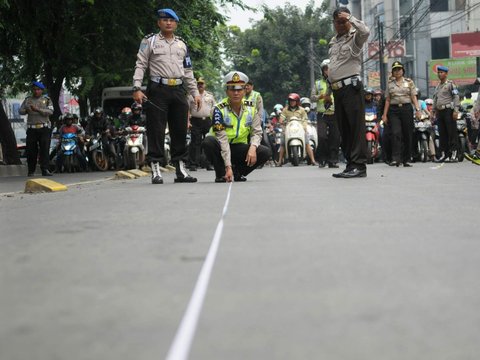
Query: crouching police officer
<point x="167" y="59"/>
<point x="38" y="108"/>
<point x="235" y="149"/>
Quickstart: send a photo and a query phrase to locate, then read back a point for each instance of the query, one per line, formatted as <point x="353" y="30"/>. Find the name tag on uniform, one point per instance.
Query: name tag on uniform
<point x="405" y="85"/>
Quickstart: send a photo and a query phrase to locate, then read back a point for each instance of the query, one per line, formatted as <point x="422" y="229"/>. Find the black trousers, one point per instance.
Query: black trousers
<point x="199" y="129"/>
<point x="447" y="129"/>
<point x="37" y="147"/>
<point x="212" y="150"/>
<point x="402" y="126"/>
<point x="328" y="138"/>
<point x="169" y="107"/>
<point x="350" y="116"/>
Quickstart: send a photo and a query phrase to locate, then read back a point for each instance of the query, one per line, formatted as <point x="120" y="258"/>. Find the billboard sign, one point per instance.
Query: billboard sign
<point x="465" y="44"/>
<point x="462" y="71"/>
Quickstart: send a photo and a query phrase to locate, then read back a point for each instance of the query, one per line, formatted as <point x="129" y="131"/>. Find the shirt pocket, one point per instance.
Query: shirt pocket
<point x="160" y="54"/>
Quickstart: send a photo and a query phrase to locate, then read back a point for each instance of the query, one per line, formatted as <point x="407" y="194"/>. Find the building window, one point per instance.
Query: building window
<point x="460" y="5"/>
<point x="438" y="5"/>
<point x="441" y="48"/>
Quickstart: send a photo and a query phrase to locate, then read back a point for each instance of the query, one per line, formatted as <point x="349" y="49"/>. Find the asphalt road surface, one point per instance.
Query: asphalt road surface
<point x="308" y="266"/>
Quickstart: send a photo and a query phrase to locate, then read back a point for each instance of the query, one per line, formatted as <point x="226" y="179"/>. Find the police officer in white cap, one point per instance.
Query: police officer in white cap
<point x="234" y="149"/>
<point x="170" y="69"/>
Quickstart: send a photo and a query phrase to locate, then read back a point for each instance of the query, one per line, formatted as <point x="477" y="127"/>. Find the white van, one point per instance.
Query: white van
<point x="114" y="99"/>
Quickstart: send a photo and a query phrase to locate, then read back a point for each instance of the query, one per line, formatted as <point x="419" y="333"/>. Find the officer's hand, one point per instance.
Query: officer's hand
<point x="384" y="118"/>
<point x="138" y="96"/>
<point x="418" y="114"/>
<point x="251" y="155"/>
<point x="343" y="17"/>
<point x="228" y="174"/>
<point x="455" y="116"/>
<point x="198" y="102"/>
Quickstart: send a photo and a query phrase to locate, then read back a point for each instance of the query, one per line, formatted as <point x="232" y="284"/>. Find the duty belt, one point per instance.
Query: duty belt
<point x="165" y="81"/>
<point x="201" y="118"/>
<point x="37" y="126"/>
<point x="443" y="107"/>
<point x="400" y="105"/>
<point x="344" y="82"/>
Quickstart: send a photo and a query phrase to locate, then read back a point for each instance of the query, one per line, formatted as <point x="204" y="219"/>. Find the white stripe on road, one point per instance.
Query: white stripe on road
<point x="437" y="167"/>
<point x="183" y="339"/>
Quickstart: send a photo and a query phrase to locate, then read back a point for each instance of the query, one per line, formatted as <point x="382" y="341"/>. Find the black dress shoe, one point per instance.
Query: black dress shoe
<point x="354" y="173"/>
<point x="46" y="173"/>
<point x="210" y="168"/>
<point x="185" y="179"/>
<point x="240" y="178"/>
<point x="157" y="180"/>
<point x="405" y="164"/>
<point x="321" y="164"/>
<point x="394" y="163"/>
<point x="332" y="165"/>
<point x="220" y="180"/>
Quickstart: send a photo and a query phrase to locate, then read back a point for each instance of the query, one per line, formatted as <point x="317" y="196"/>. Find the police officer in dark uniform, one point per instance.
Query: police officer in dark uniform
<point x="38" y="108"/>
<point x="166" y="58"/>
<point x="401" y="94"/>
<point x="345" y="53"/>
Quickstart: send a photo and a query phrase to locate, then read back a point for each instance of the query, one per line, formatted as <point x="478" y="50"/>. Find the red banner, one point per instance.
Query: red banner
<point x="465" y="44"/>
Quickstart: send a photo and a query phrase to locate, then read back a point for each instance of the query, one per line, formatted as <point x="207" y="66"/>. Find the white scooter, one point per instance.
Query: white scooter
<point x="134" y="146"/>
<point x="312" y="138"/>
<point x="294" y="141"/>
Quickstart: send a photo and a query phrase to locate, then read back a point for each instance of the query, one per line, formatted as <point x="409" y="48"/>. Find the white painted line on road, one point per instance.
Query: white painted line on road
<point x="183" y="339"/>
<point x="437" y="167"/>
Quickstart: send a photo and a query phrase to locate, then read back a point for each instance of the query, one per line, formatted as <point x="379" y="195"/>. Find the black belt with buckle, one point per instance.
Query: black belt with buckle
<point x="201" y="118"/>
<point x="37" y="126"/>
<point x="400" y="105"/>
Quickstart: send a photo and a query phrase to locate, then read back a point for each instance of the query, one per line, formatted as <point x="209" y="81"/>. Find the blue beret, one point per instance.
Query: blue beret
<point x="38" y="84"/>
<point x="167" y="13"/>
<point x="442" y="68"/>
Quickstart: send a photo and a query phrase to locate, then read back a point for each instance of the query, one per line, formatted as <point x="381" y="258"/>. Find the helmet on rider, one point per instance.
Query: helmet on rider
<point x="126" y="111"/>
<point x="305" y="101"/>
<point x="136" y="107"/>
<point x="278" y="108"/>
<point x="294" y="97"/>
<point x="429" y="101"/>
<point x="68" y="119"/>
<point x="273" y="114"/>
<point x="98" y="113"/>
<point x="325" y="63"/>
<point x="369" y="91"/>
<point x="377" y="92"/>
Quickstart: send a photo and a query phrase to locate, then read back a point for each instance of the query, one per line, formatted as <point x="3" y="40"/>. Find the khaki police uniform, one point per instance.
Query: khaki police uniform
<point x="201" y="122"/>
<point x="345" y="54"/>
<point x="170" y="70"/>
<point x="446" y="101"/>
<point x="38" y="131"/>
<point x="401" y="117"/>
<point x="233" y="134"/>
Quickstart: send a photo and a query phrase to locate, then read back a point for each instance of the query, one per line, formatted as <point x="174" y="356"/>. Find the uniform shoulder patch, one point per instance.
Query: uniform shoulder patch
<point x="248" y="102"/>
<point x="148" y="36"/>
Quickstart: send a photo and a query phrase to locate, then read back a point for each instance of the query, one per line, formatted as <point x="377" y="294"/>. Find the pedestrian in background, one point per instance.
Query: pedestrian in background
<point x="400" y="103"/>
<point x="446" y="103"/>
<point x="345" y="53"/>
<point x="200" y="123"/>
<point x="166" y="58"/>
<point x="38" y="108"/>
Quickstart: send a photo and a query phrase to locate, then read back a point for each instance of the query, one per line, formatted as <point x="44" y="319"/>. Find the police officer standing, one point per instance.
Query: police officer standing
<point x="445" y="107"/>
<point x="200" y="122"/>
<point x="254" y="97"/>
<point x="398" y="112"/>
<point x="345" y="53"/>
<point x="167" y="59"/>
<point x="235" y="150"/>
<point x="38" y="108"/>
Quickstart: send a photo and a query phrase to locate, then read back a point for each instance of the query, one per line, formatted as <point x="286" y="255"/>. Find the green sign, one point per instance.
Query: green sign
<point x="462" y="71"/>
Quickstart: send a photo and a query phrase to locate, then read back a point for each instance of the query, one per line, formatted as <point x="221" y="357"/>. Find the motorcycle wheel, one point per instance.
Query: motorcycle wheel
<point x="463" y="148"/>
<point x="100" y="160"/>
<point x="424" y="151"/>
<point x="132" y="162"/>
<point x="370" y="151"/>
<point x="295" y="156"/>
<point x="67" y="164"/>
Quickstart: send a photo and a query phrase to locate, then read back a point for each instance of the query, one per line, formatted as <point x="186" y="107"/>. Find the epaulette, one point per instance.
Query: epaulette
<point x="222" y="104"/>
<point x="248" y="102"/>
<point x="181" y="39"/>
<point x="148" y="36"/>
<point x="408" y="79"/>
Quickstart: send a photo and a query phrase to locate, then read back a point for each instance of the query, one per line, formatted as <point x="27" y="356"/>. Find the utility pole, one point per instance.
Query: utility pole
<point x="312" y="65"/>
<point x="381" y="50"/>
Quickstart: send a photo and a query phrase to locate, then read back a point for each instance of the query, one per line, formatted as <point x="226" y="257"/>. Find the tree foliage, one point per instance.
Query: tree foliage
<point x="92" y="44"/>
<point x="274" y="53"/>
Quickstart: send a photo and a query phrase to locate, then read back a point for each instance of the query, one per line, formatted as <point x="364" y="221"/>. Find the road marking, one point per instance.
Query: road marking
<point x="437" y="167"/>
<point x="182" y="343"/>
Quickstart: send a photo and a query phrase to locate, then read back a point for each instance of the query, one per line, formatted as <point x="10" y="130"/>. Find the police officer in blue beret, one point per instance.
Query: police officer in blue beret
<point x="38" y="108"/>
<point x="167" y="60"/>
<point x="446" y="103"/>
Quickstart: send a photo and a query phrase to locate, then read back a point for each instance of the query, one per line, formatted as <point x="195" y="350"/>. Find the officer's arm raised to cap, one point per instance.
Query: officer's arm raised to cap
<point x="362" y="33"/>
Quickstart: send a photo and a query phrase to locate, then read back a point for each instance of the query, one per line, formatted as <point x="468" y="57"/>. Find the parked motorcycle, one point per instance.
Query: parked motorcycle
<point x="68" y="145"/>
<point x="134" y="152"/>
<point x="422" y="138"/>
<point x="294" y="141"/>
<point x="372" y="136"/>
<point x="96" y="154"/>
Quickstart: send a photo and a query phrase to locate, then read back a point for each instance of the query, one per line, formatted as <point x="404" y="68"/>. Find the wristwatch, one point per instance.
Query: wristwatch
<point x="417" y="109"/>
<point x="136" y="88"/>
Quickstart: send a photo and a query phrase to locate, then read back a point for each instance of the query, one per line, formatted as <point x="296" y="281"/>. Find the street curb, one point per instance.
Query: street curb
<point x="138" y="173"/>
<point x="13" y="170"/>
<point x="43" y="185"/>
<point x="120" y="175"/>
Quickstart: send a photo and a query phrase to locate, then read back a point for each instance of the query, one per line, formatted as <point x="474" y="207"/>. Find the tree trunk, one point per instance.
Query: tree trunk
<point x="7" y="139"/>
